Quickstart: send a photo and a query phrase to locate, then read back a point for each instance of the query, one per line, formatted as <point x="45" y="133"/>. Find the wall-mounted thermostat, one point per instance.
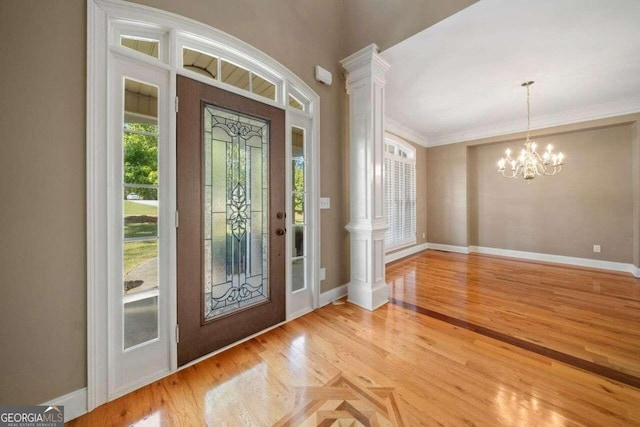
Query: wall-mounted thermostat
<point x="323" y="76"/>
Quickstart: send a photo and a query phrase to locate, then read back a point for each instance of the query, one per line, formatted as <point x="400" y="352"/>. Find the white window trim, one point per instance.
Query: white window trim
<point x="106" y="20"/>
<point x="410" y="159"/>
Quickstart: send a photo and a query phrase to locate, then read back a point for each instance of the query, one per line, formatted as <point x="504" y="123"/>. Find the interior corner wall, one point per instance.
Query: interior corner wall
<point x="447" y="195"/>
<point x="387" y="23"/>
<point x="594" y="200"/>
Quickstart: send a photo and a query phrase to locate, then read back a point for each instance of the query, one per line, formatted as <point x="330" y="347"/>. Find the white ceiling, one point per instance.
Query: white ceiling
<point x="460" y="79"/>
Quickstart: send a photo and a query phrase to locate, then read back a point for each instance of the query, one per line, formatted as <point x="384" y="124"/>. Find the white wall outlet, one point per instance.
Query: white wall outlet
<point x="325" y="203"/>
<point x="596" y="249"/>
<point x="323" y="274"/>
<point x="424" y="235"/>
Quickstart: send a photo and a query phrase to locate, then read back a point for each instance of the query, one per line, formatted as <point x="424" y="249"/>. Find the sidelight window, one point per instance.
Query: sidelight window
<point x="298" y="203"/>
<point x="140" y="212"/>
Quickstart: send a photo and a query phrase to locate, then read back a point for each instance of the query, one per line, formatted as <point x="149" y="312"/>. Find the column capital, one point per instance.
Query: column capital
<point x="365" y="62"/>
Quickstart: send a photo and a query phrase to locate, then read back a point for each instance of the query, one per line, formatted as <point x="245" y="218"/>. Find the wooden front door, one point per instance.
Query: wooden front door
<point x="231" y="204"/>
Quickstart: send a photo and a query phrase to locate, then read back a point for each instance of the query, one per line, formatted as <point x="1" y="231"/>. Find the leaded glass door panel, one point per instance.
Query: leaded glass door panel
<point x="231" y="234"/>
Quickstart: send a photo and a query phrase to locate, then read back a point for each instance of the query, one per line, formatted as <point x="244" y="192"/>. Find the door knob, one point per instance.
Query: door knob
<point x="280" y="215"/>
<point x="281" y="231"/>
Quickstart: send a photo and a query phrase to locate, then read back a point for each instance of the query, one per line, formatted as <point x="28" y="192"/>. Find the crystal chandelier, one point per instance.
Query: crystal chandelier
<point x="530" y="163"/>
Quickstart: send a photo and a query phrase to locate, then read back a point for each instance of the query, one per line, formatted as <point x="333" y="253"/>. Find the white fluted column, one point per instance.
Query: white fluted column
<point x="367" y="227"/>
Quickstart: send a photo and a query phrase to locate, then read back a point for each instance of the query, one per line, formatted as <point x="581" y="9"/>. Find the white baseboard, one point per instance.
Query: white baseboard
<point x="405" y="252"/>
<point x="535" y="256"/>
<point x="448" y="248"/>
<point x="333" y="294"/>
<point x="75" y="404"/>
<point x="561" y="259"/>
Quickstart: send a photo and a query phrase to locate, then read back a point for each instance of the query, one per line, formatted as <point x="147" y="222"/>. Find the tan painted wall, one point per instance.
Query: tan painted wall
<point x="388" y="22"/>
<point x="421" y="192"/>
<point x="589" y="202"/>
<point x="447" y="195"/>
<point x="592" y="201"/>
<point x="42" y="200"/>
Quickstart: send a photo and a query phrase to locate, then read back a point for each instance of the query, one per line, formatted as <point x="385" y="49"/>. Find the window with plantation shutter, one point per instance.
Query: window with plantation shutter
<point x="400" y="194"/>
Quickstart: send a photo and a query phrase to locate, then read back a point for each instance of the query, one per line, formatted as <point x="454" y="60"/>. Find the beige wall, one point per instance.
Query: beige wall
<point x="388" y="22"/>
<point x="42" y="200"/>
<point x="421" y="192"/>
<point x="592" y="201"/>
<point x="447" y="195"/>
<point x="589" y="202"/>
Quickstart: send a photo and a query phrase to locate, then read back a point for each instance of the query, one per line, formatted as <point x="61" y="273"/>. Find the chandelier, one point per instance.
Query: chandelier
<point x="530" y="163"/>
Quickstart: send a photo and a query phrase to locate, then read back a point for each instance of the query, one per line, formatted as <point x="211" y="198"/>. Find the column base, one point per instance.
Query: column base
<point x="367" y="297"/>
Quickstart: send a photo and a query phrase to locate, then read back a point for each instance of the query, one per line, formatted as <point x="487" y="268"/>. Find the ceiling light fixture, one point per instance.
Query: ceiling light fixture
<point x="529" y="163"/>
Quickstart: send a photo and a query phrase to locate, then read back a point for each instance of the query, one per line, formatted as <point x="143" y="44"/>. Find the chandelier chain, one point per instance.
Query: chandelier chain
<point x="528" y="113"/>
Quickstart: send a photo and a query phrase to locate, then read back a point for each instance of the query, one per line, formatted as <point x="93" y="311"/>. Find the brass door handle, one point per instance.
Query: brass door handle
<point x="281" y="231"/>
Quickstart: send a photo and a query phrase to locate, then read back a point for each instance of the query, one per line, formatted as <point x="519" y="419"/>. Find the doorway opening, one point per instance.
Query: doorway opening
<point x="136" y="56"/>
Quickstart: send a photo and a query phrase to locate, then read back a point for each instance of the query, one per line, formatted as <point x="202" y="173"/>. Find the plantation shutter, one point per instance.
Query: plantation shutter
<point x="388" y="201"/>
<point x="400" y="196"/>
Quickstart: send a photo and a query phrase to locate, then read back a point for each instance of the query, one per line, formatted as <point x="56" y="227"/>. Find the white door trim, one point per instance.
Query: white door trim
<point x="106" y="19"/>
<point x="302" y="301"/>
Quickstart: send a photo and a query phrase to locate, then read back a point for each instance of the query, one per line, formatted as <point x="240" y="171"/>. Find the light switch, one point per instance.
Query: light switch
<point x="325" y="203"/>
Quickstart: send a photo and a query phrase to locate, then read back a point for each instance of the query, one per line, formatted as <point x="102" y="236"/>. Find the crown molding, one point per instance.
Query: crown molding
<point x="397" y="128"/>
<point x="595" y="112"/>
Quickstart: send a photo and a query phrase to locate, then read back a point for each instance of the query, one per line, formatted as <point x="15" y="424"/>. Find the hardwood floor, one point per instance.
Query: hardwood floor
<point x="587" y="313"/>
<point x="344" y="362"/>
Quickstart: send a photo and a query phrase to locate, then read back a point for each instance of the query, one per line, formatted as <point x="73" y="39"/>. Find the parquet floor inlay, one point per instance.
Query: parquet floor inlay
<point x="344" y="402"/>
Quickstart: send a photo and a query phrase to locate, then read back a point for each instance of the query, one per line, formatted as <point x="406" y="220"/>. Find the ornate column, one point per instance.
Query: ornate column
<point x="365" y="86"/>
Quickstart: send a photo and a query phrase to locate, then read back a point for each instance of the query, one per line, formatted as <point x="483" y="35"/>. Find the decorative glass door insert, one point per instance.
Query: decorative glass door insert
<point x="236" y="211"/>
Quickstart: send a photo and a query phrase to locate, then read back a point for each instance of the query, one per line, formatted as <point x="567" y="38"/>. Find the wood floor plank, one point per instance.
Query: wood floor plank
<point x="435" y="370"/>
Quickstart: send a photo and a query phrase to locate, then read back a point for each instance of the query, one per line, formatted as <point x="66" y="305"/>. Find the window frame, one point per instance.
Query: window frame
<point x="405" y="154"/>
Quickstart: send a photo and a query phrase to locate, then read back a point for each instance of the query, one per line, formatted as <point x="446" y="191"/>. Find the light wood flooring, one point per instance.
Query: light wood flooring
<point x="467" y="340"/>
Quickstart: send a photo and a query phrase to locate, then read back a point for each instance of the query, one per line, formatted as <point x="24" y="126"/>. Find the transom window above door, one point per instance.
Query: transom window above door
<point x="205" y="59"/>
